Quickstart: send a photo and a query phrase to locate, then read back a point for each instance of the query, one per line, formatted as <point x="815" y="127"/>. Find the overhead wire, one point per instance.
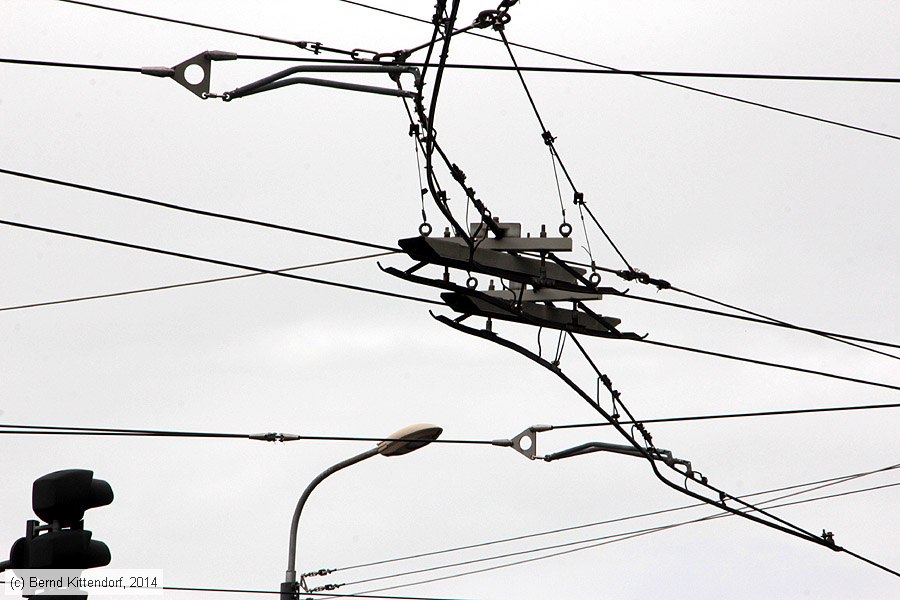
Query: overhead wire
<point x="826" y="335"/>
<point x="246" y="267"/>
<point x="314" y="47"/>
<point x="173" y="286"/>
<point x="480" y="67"/>
<point x="830" y="480"/>
<point x="195" y="211"/>
<point x="767" y="321"/>
<point x="762" y="319"/>
<point x="549" y="140"/>
<point x="17" y="429"/>
<point x="67" y="430"/>
<point x="621" y="537"/>
<point x="173" y="588"/>
<point x="214" y="261"/>
<point x="218" y="262"/>
<point x="650" y="78"/>
<point x="68" y="65"/>
<point x="766" y="363"/>
<point x="338" y="238"/>
<point x="595" y="71"/>
<point x="742" y="415"/>
<point x="652" y="454"/>
<point x="235" y="218"/>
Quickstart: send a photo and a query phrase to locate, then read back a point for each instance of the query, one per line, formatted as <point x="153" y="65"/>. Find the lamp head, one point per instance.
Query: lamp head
<point x="408" y="439"/>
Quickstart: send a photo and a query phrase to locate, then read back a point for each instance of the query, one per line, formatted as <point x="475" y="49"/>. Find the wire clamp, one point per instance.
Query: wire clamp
<point x="314" y="47"/>
<point x="548" y="138"/>
<point x="319" y="573"/>
<point x="356" y="54"/>
<point x="828" y="538"/>
<point x="328" y="587"/>
<point x="642" y="277"/>
<point x="274" y="437"/>
<point x="494" y="18"/>
<point x="397" y="56"/>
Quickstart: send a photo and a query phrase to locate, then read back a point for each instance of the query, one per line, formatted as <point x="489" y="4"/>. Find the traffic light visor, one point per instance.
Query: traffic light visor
<point x="64" y="495"/>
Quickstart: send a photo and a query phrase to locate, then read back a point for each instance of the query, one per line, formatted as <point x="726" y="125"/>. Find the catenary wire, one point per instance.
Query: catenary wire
<point x="145" y="200"/>
<point x="585" y="71"/>
<point x="214" y="261"/>
<point x="672" y="83"/>
<point x="638" y="533"/>
<point x="766" y="413"/>
<point x="628" y="534"/>
<point x="415" y="298"/>
<point x="765" y="363"/>
<point x="67" y="65"/>
<point x="311" y="46"/>
<point x="187" y="283"/>
<point x="839" y="479"/>
<point x="774" y="521"/>
<point x="743" y="508"/>
<point x="762" y="319"/>
<point x="485" y="67"/>
<point x="13" y="429"/>
<point x="317" y="47"/>
<point x="66" y="430"/>
<point x="782" y="323"/>
<point x="195" y="211"/>
<point x="328" y="595"/>
<point x="549" y="141"/>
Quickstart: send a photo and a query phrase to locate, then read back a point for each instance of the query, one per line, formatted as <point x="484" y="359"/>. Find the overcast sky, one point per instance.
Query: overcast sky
<point x="787" y="216"/>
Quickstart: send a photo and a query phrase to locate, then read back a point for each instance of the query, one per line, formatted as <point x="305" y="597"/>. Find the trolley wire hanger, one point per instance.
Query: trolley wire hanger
<point x="720" y="499"/>
<point x="194" y="74"/>
<point x="526" y="444"/>
<point x="534" y="286"/>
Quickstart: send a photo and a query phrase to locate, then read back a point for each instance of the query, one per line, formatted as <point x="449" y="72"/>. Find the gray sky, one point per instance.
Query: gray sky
<point x="786" y="216"/>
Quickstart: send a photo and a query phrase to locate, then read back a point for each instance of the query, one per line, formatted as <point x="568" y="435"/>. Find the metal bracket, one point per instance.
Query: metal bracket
<point x="180" y="74"/>
<point x="526" y="442"/>
<point x="202" y="61"/>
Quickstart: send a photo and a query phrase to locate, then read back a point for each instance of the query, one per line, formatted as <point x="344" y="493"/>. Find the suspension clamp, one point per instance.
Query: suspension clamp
<point x="492" y="18"/>
<point x="328" y="587"/>
<point x="319" y="573"/>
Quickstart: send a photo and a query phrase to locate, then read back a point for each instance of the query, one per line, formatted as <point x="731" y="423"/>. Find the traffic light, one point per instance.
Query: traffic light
<point x="60" y="500"/>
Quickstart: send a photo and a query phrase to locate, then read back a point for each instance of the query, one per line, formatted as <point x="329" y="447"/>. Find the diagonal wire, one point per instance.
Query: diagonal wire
<point x="766" y="413"/>
<point x="272" y="592"/>
<point x="828" y="481"/>
<point x="605" y="540"/>
<point x="214" y="261"/>
<point x="763" y="319"/>
<point x="656" y="79"/>
<point x="185" y="284"/>
<point x="311" y="46"/>
<point x="548" y="140"/>
<point x="765" y="363"/>
<point x="16" y="429"/>
<point x="187" y="209"/>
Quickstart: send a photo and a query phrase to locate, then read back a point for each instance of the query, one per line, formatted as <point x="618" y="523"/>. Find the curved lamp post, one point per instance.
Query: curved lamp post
<point x="402" y="442"/>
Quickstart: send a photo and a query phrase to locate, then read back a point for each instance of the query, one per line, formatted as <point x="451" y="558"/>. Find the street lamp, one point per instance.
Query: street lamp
<point x="402" y="442"/>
